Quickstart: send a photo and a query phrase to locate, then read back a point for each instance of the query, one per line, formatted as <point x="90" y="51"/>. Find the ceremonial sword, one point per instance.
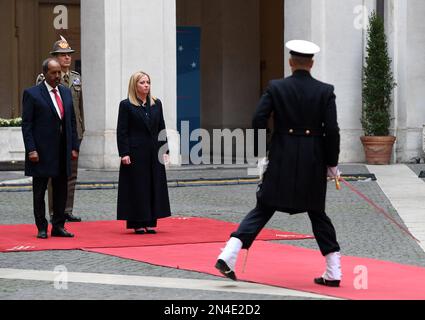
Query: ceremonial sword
<point x="378" y="208"/>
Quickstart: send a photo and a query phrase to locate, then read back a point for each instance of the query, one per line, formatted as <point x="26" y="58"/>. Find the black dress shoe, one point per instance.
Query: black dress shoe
<point x="71" y="218"/>
<point x="225" y="270"/>
<point x="61" y="232"/>
<point x="42" y="234"/>
<point x="144" y="231"/>
<point x="150" y="231"/>
<point x="329" y="283"/>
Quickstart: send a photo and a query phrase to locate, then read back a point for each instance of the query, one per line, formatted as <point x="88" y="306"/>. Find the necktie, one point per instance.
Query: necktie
<point x="66" y="79"/>
<point x="59" y="102"/>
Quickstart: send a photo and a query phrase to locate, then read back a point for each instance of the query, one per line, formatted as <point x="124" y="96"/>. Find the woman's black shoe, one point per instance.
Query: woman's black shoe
<point x="42" y="234"/>
<point x="150" y="231"/>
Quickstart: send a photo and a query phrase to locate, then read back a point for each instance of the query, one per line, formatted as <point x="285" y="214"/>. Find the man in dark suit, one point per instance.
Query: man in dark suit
<point x="62" y="52"/>
<point x="50" y="138"/>
<point x="303" y="152"/>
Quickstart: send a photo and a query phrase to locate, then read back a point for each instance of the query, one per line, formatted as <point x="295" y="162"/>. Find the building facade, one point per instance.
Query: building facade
<point x="240" y="50"/>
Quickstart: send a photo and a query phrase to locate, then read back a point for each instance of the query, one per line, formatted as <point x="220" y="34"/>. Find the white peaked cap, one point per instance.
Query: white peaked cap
<point x="302" y="47"/>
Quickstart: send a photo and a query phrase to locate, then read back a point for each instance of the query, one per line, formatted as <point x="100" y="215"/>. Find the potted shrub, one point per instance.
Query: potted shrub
<point x="378" y="84"/>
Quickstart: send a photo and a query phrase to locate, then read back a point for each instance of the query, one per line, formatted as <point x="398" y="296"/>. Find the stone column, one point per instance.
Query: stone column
<point x="120" y="37"/>
<point x="336" y="26"/>
<point x="405" y="27"/>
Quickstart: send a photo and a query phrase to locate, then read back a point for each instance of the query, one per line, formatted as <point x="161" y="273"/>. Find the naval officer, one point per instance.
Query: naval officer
<point x="303" y="152"/>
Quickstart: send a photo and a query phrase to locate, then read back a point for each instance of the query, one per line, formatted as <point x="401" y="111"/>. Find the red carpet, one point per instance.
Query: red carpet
<point x="289" y="267"/>
<point x="101" y="234"/>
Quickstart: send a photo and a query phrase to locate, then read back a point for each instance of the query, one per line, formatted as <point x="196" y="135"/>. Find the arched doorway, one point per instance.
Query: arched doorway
<point x="241" y="50"/>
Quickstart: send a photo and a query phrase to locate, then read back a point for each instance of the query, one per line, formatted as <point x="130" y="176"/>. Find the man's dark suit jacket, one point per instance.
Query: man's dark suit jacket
<point x="41" y="129"/>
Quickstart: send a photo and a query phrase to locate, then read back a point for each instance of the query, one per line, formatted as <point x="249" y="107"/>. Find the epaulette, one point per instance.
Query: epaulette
<point x="75" y="72"/>
<point x="40" y="78"/>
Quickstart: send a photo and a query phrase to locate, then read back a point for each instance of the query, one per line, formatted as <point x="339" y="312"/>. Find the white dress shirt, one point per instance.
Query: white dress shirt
<point x="52" y="96"/>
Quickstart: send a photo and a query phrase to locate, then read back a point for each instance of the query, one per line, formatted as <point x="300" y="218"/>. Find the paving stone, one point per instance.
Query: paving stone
<point x="360" y="229"/>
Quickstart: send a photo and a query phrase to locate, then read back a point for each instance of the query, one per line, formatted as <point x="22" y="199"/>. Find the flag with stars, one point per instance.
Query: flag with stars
<point x="188" y="79"/>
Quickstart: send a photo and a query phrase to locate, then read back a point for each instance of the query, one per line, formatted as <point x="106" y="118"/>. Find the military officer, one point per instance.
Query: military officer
<point x="303" y="152"/>
<point x="72" y="80"/>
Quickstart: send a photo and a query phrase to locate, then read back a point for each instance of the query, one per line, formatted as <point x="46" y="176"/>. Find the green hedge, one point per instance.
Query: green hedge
<point x="17" y="122"/>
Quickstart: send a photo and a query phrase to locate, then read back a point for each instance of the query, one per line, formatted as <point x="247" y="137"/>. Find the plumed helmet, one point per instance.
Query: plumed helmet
<point x="61" y="46"/>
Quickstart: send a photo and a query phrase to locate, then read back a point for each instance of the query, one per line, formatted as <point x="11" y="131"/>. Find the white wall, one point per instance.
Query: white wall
<point x="405" y="26"/>
<point x="336" y="27"/>
<point x="123" y="36"/>
<point x="120" y="37"/>
<point x="332" y="25"/>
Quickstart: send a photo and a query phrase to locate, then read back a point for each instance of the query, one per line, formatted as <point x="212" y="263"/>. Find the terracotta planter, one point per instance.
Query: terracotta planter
<point x="378" y="150"/>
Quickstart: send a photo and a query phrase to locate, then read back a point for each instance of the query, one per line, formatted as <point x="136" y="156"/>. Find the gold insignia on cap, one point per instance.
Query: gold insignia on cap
<point x="61" y="46"/>
<point x="64" y="45"/>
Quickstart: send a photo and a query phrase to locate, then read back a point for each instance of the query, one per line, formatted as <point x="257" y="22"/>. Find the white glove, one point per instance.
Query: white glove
<point x="333" y="172"/>
<point x="166" y="159"/>
<point x="262" y="166"/>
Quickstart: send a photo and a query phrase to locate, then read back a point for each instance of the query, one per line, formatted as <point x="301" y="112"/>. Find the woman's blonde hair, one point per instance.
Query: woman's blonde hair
<point x="132" y="88"/>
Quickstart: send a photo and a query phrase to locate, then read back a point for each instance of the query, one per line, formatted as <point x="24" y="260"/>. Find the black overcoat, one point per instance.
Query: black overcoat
<point x="142" y="187"/>
<point x="41" y="127"/>
<point x="304" y="142"/>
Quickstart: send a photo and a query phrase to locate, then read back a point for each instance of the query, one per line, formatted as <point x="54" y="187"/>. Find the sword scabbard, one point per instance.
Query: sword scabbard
<point x="337" y="185"/>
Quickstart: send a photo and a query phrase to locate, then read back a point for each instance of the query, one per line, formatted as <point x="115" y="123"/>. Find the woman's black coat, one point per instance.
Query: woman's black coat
<point x="295" y="180"/>
<point x="142" y="187"/>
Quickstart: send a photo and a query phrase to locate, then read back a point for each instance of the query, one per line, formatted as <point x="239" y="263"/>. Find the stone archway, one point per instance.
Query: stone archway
<point x="241" y="50"/>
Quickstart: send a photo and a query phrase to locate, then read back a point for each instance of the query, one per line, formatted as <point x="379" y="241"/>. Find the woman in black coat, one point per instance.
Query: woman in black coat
<point x="142" y="187"/>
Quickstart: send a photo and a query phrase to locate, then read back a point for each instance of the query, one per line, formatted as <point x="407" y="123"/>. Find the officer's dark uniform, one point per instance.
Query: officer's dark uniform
<point x="305" y="141"/>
